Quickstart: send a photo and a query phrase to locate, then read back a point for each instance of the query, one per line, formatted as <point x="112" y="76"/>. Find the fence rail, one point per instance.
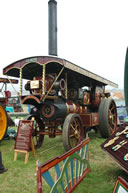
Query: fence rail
<point x="64" y="173"/>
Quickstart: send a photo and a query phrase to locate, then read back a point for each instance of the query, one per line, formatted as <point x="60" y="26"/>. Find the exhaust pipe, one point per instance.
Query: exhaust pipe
<point x="52" y="27"/>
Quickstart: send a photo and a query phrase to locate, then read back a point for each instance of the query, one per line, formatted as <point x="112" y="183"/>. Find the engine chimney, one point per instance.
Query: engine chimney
<point x="52" y="18"/>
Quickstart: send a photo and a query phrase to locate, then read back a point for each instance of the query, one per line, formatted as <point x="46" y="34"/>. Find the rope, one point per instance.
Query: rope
<point x="49" y="148"/>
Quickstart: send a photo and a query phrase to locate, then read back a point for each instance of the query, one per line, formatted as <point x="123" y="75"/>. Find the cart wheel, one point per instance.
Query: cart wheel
<point x="107" y="117"/>
<point x="38" y="127"/>
<point x="72" y="131"/>
<point x="3" y="122"/>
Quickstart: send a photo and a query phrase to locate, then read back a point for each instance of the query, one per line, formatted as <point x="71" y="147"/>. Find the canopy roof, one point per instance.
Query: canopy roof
<point x="32" y="67"/>
<point x="6" y="80"/>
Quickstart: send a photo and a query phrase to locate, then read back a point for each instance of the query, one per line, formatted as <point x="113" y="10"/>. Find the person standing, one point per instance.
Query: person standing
<point x="2" y="169"/>
<point x="16" y="121"/>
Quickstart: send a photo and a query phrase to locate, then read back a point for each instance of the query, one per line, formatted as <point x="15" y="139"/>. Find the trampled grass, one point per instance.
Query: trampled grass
<point x="20" y="177"/>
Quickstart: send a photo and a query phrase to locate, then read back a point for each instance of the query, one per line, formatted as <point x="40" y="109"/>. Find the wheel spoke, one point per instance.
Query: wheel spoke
<point x="112" y="120"/>
<point x="37" y="140"/>
<point x="111" y="130"/>
<point x="76" y="123"/>
<point x="71" y="135"/>
<point x="113" y="107"/>
<point x="73" y="127"/>
<point x="73" y="142"/>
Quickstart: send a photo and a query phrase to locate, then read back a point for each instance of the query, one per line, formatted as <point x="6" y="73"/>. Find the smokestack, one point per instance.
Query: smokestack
<point x="52" y="18"/>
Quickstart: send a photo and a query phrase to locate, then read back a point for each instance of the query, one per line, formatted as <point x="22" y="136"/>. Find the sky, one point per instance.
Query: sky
<point x="91" y="33"/>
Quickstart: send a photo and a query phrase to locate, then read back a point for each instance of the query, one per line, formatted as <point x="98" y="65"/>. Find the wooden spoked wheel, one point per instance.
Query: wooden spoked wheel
<point x="72" y="131"/>
<point x="3" y="122"/>
<point x="107" y="117"/>
<point x="38" y="127"/>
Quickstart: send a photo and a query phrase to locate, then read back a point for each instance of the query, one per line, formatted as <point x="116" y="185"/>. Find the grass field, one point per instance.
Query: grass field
<point x="20" y="177"/>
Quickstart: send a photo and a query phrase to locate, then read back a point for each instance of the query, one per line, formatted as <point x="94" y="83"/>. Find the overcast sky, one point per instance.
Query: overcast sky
<point x="91" y="33"/>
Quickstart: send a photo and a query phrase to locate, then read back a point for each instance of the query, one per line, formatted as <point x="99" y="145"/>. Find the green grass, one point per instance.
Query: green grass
<point x="20" y="177"/>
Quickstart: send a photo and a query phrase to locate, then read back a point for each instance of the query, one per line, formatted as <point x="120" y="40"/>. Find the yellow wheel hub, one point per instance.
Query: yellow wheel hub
<point x="3" y="122"/>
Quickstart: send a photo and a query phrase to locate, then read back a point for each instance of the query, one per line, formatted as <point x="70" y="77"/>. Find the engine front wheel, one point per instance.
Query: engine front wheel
<point x="73" y="132"/>
<point x="38" y="139"/>
<point x="107" y="117"/>
<point x="3" y="122"/>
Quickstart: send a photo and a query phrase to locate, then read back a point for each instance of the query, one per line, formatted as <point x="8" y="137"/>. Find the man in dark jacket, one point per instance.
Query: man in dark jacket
<point x="2" y="169"/>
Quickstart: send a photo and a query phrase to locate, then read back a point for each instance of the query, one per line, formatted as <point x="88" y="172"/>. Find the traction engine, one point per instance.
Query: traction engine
<point x="72" y="117"/>
<point x="65" y="99"/>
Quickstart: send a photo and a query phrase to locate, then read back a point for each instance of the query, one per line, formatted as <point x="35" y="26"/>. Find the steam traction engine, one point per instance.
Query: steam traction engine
<point x="66" y="99"/>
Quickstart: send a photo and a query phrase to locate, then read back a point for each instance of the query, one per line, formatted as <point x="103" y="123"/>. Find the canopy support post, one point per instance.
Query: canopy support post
<point x="66" y="88"/>
<point x="43" y="80"/>
<point x="53" y="84"/>
<point x="20" y="81"/>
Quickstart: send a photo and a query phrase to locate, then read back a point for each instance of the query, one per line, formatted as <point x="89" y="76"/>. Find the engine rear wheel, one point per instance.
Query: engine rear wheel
<point x="3" y="122"/>
<point x="72" y="131"/>
<point x="107" y="117"/>
<point x="38" y="127"/>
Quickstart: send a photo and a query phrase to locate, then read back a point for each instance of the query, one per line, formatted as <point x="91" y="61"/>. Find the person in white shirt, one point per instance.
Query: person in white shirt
<point x="16" y="122"/>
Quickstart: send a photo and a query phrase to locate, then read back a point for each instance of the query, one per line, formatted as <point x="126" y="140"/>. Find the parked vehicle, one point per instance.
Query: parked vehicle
<point x="14" y="105"/>
<point x="122" y="114"/>
<point x="67" y="100"/>
<point x="4" y="96"/>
